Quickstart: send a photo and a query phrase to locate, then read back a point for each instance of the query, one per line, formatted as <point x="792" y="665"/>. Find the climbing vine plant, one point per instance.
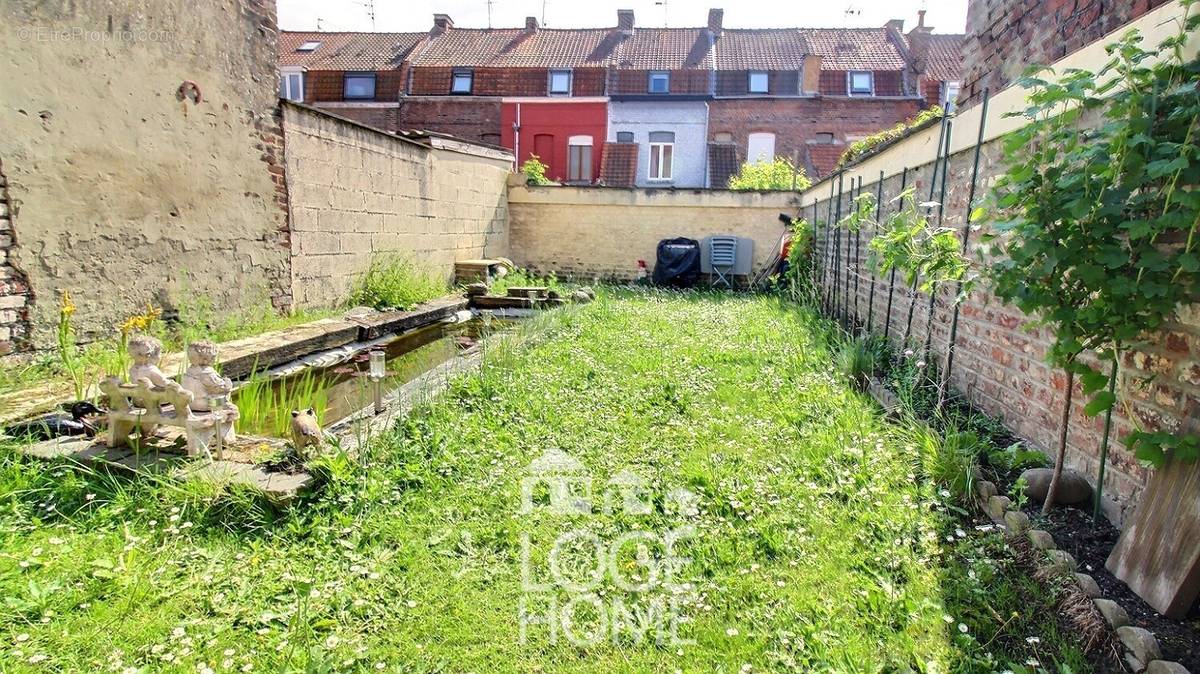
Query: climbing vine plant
<point x="920" y="251"/>
<point x="1098" y="211"/>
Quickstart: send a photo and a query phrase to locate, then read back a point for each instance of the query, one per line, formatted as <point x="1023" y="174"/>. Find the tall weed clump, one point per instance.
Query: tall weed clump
<point x="396" y="282"/>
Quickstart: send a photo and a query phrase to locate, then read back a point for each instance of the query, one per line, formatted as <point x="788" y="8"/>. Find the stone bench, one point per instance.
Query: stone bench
<point x="140" y="408"/>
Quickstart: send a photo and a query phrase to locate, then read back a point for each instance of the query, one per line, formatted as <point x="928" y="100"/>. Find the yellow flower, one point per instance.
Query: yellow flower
<point x="68" y="307"/>
<point x="141" y="321"/>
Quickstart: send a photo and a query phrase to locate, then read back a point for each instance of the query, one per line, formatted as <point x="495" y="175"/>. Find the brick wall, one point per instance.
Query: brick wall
<point x="435" y="81"/>
<point x="1003" y="36"/>
<point x="476" y="119"/>
<point x="14" y="286"/>
<point x="328" y="85"/>
<point x="737" y="82"/>
<point x="637" y="82"/>
<point x="382" y="117"/>
<point x="1000" y="363"/>
<point x="796" y="122"/>
<point x="356" y="192"/>
<point x="887" y="83"/>
<point x="588" y="232"/>
<point x="124" y="192"/>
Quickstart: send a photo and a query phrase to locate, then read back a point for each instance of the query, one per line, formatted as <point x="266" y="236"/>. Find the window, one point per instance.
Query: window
<point x="660" y="82"/>
<point x="358" y="86"/>
<point x="579" y="159"/>
<point x="723" y="137"/>
<point x="310" y="45"/>
<point x="662" y="151"/>
<point x="462" y="82"/>
<point x="291" y="84"/>
<point x="758" y="82"/>
<point x="861" y="83"/>
<point x="560" y="82"/>
<point x="949" y="95"/>
<point x="823" y="139"/>
<point x="624" y="136"/>
<point x="760" y="147"/>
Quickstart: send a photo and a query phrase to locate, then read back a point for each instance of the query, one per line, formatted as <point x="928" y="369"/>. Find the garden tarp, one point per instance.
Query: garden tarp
<point x="678" y="263"/>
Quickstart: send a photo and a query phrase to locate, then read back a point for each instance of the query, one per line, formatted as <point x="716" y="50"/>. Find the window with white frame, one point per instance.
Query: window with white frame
<point x="758" y="82"/>
<point x="358" y="86"/>
<point x="662" y="155"/>
<point x="560" y="82"/>
<point x="579" y="159"/>
<point x="291" y="84"/>
<point x="861" y="82"/>
<point x="309" y="45"/>
<point x="462" y="82"/>
<point x="760" y="147"/>
<point x="660" y="82"/>
<point x="949" y="95"/>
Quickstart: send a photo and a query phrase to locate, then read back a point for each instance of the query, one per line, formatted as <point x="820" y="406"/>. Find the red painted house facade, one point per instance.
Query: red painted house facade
<point x="565" y="134"/>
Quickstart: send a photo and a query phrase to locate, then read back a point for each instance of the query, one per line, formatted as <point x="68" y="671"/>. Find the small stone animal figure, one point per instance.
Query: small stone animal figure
<point x="306" y="433"/>
<point x="50" y="426"/>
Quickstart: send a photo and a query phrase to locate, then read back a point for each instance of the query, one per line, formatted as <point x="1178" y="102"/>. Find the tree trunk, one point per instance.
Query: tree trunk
<point x="1064" y="427"/>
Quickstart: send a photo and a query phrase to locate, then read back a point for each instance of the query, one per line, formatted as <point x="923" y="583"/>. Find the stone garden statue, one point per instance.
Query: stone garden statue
<point x="201" y="378"/>
<point x="146" y="352"/>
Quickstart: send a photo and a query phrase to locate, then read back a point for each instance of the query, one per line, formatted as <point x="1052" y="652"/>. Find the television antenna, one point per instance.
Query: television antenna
<point x="369" y="6"/>
<point x="489" y="10"/>
<point x="852" y="10"/>
<point x="666" y="14"/>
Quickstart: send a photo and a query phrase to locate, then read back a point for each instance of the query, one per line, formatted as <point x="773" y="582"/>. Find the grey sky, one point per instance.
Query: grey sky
<point x="946" y="16"/>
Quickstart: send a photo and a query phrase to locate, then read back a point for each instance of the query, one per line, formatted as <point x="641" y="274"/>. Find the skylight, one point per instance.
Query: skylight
<point x="311" y="45"/>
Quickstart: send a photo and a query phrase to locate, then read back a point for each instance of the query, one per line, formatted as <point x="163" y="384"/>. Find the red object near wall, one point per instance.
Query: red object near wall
<point x="546" y="128"/>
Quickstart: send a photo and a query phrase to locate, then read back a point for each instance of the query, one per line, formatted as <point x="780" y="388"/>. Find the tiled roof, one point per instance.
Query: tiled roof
<point x="945" y="57"/>
<point x="519" y="48"/>
<point x="762" y="49"/>
<point x="666" y="49"/>
<point x="854" y="48"/>
<point x="347" y="51"/>
<point x="722" y="163"/>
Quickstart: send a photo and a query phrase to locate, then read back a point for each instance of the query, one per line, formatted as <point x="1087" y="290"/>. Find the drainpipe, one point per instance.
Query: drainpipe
<point x="517" y="138"/>
<point x="707" y="177"/>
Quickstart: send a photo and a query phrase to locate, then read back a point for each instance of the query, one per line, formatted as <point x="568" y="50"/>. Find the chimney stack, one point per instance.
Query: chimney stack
<point x="625" y="20"/>
<point x="920" y="18"/>
<point x="716" y="17"/>
<point x="442" y="22"/>
<point x="531" y="23"/>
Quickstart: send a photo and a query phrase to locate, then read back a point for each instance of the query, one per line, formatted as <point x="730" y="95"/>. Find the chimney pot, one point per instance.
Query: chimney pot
<point x="531" y="23"/>
<point x="625" y="20"/>
<point x="920" y="18"/>
<point x="716" y="19"/>
<point x="442" y="21"/>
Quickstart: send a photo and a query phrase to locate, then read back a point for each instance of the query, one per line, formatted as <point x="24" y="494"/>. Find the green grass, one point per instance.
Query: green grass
<point x="396" y="282"/>
<point x="523" y="277"/>
<point x="821" y="544"/>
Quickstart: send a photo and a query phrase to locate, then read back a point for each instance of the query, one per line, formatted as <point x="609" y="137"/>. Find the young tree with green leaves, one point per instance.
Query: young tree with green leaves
<point x="779" y="174"/>
<point x="1097" y="237"/>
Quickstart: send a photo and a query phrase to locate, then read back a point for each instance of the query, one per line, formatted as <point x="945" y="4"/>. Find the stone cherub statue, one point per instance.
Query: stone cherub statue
<point x="146" y="352"/>
<point x="201" y="378"/>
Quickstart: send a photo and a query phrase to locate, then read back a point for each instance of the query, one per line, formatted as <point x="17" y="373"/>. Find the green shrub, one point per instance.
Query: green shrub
<point x="765" y="176"/>
<point x="860" y="148"/>
<point x="535" y="171"/>
<point x="396" y="282"/>
<point x="856" y="359"/>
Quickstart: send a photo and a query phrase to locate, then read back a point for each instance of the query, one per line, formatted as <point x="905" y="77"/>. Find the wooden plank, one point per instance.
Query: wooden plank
<point x="380" y="324"/>
<point x="1158" y="555"/>
<point x="532" y="292"/>
<point x="492" y="302"/>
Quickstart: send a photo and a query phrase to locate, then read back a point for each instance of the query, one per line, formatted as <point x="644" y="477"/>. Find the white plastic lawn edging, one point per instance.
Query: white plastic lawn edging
<point x="1139" y="646"/>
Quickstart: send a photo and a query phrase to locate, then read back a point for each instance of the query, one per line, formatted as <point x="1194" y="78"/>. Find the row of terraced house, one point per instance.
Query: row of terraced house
<point x="631" y="106"/>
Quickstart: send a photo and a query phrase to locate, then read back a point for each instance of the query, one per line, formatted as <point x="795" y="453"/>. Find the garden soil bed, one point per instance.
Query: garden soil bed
<point x="1090" y="543"/>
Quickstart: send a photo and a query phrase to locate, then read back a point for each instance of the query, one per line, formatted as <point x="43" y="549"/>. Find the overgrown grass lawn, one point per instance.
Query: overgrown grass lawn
<point x="814" y="542"/>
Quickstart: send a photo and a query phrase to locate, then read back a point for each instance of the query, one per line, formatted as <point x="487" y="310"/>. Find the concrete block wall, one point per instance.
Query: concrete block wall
<point x="590" y="232"/>
<point x="999" y="361"/>
<point x="356" y="192"/>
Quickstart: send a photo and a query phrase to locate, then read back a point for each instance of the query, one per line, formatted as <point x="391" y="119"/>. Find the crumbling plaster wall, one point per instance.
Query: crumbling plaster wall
<point x="124" y="193"/>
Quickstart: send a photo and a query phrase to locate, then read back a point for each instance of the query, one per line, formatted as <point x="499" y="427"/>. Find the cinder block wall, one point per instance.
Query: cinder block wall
<point x="356" y="192"/>
<point x="119" y="189"/>
<point x="602" y="232"/>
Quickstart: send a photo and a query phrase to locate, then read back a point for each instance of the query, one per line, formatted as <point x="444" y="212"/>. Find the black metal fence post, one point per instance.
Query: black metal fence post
<point x="933" y="290"/>
<point x="887" y="326"/>
<point x="857" y="257"/>
<point x="874" y="233"/>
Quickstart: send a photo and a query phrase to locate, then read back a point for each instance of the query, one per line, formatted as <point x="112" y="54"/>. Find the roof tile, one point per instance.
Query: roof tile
<point x="945" y="58"/>
<point x="347" y="51"/>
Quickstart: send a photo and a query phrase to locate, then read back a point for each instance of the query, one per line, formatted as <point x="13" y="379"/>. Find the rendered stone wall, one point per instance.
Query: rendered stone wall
<point x="121" y="191"/>
<point x="602" y="232"/>
<point x="356" y="192"/>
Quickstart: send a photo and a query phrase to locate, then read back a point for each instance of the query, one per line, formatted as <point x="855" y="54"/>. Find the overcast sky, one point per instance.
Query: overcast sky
<point x="946" y="16"/>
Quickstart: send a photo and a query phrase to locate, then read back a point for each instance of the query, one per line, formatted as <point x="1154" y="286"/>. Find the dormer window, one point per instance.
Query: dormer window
<point x="560" y="82"/>
<point x="660" y="82"/>
<point x="758" y="82"/>
<point x="310" y="45"/>
<point x="861" y="83"/>
<point x="462" y="82"/>
<point x="358" y="86"/>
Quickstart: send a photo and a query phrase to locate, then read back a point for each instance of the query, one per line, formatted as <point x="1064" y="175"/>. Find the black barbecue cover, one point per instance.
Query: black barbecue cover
<point x="678" y="263"/>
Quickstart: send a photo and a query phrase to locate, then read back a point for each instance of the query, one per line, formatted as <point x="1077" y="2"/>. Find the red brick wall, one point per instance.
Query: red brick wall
<point x="468" y="118"/>
<point x="737" y="82"/>
<point x="931" y="91"/>
<point x="887" y="83"/>
<point x="384" y="119"/>
<point x="1004" y="36"/>
<point x="506" y="81"/>
<point x="15" y="294"/>
<point x="588" y="81"/>
<point x="633" y="82"/>
<point x="796" y="122"/>
<point x="328" y="85"/>
<point x="1000" y="365"/>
